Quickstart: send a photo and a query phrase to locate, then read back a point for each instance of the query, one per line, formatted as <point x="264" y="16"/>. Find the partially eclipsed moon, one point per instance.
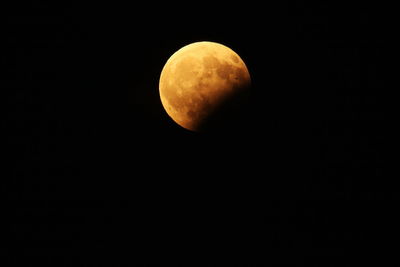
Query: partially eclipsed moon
<point x="201" y="82"/>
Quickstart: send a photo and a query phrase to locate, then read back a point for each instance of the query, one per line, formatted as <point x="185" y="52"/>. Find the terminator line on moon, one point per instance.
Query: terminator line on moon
<point x="199" y="81"/>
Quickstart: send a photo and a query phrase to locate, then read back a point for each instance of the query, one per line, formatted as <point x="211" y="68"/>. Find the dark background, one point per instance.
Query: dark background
<point x="99" y="174"/>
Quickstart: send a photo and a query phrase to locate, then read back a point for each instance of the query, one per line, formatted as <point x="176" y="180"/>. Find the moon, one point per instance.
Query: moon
<point x="202" y="85"/>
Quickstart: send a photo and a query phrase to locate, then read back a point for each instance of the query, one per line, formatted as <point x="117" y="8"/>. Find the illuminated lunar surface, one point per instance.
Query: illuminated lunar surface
<point x="200" y="82"/>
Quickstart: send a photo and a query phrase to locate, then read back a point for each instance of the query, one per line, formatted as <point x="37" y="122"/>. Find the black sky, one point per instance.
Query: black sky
<point x="100" y="174"/>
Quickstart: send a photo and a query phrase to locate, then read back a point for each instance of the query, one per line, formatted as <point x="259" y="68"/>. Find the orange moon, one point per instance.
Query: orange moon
<point x="201" y="81"/>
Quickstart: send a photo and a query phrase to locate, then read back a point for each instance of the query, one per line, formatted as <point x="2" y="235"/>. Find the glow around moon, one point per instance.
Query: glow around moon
<point x="200" y="81"/>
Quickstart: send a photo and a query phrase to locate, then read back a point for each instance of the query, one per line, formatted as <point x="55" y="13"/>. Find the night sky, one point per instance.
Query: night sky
<point x="97" y="173"/>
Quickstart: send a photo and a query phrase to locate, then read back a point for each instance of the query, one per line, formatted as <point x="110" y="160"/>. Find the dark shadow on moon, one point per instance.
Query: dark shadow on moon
<point x="229" y="115"/>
